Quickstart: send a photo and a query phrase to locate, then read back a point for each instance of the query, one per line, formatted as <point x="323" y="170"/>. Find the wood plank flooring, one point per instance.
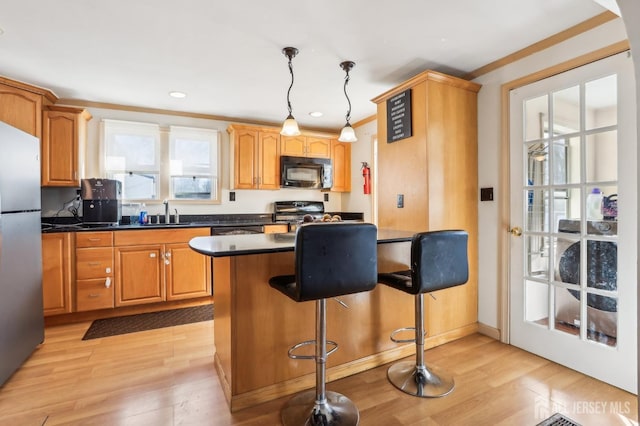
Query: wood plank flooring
<point x="166" y="377"/>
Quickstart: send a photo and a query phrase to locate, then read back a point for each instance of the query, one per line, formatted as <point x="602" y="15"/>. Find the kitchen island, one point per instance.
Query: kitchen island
<point x="255" y="325"/>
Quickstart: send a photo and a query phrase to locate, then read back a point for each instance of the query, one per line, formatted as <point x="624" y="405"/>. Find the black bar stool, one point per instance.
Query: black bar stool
<point x="438" y="261"/>
<point x="331" y="259"/>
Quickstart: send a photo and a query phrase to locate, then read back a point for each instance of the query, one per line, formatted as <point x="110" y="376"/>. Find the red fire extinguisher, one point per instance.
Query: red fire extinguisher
<point x="366" y="174"/>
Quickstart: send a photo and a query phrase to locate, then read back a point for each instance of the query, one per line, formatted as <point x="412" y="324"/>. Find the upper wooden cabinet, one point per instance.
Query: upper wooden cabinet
<point x="305" y="146"/>
<point x="63" y="143"/>
<point x="56" y="273"/>
<point x="341" y="162"/>
<point x="21" y="105"/>
<point x="255" y="157"/>
<point x="436" y="170"/>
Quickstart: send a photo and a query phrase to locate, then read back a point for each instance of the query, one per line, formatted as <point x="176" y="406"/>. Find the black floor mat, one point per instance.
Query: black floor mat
<point x="149" y="321"/>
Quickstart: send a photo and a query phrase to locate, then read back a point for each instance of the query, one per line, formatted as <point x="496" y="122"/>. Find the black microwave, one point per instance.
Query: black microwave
<point x="303" y="172"/>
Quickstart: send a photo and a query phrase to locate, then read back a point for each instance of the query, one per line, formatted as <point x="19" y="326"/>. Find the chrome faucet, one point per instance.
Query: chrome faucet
<point x="177" y="216"/>
<point x="167" y="217"/>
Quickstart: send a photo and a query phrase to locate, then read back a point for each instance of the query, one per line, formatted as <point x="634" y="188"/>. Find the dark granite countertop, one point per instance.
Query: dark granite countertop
<point x="69" y="224"/>
<point x="236" y="245"/>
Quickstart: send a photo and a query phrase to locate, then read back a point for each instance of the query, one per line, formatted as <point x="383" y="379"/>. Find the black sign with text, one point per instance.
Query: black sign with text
<point x="399" y="116"/>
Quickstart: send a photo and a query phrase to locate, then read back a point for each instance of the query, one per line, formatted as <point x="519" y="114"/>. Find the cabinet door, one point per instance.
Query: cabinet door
<point x="21" y="109"/>
<point x="188" y="274"/>
<point x="139" y="275"/>
<point x="59" y="149"/>
<point x="269" y="160"/>
<point x="293" y="145"/>
<point x="245" y="145"/>
<point x="341" y="162"/>
<point x="318" y="147"/>
<point x="56" y="273"/>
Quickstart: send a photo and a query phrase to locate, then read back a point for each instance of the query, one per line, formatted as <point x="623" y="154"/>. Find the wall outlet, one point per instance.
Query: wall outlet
<point x="400" y="202"/>
<point x="232" y="196"/>
<point x="326" y="196"/>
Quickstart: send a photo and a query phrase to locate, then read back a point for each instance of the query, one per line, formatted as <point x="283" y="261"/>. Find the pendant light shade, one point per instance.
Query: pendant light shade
<point x="290" y="126"/>
<point x="347" y="134"/>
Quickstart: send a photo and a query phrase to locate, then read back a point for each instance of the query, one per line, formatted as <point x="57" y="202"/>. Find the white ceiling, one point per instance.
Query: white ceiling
<point x="227" y="55"/>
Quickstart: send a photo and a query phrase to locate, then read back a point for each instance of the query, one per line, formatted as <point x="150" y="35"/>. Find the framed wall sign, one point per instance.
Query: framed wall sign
<point x="399" y="116"/>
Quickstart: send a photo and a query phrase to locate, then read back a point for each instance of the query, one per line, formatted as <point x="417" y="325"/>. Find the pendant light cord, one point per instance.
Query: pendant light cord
<point x="346" y="81"/>
<point x="291" y="85"/>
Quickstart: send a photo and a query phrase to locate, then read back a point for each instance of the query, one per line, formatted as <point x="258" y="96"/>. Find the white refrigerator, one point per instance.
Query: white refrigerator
<point x="21" y="311"/>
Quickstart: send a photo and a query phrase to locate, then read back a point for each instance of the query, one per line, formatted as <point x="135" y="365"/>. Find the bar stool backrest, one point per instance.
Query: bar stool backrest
<point x="333" y="259"/>
<point x="438" y="260"/>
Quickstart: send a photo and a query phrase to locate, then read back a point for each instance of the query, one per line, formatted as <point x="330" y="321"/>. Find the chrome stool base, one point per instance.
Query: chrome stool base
<point x="426" y="382"/>
<point x="337" y="410"/>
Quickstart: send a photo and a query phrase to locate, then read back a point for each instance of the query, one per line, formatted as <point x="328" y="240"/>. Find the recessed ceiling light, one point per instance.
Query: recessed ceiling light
<point x="176" y="94"/>
<point x="316" y="114"/>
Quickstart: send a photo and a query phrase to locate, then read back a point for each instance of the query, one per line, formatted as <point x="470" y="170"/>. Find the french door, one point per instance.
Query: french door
<point x="573" y="200"/>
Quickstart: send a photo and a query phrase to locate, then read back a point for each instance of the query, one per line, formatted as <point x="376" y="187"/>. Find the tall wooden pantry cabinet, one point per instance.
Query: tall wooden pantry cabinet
<point x="427" y="176"/>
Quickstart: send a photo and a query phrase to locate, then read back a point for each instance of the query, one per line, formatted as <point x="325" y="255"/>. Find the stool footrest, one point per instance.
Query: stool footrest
<point x="400" y="330"/>
<point x="297" y="346"/>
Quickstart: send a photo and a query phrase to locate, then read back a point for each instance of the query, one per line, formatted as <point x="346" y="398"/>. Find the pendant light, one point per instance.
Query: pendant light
<point x="290" y="126"/>
<point x="347" y="134"/>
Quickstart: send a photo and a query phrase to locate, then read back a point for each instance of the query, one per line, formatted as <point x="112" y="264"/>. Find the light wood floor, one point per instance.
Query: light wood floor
<point x="166" y="377"/>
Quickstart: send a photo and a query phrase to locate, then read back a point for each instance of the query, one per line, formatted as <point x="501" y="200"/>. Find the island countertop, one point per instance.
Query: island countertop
<point x="236" y="245"/>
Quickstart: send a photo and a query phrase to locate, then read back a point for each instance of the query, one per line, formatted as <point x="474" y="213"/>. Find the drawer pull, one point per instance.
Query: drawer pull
<point x="93" y="296"/>
<point x="107" y="282"/>
<point x="94" y="239"/>
<point x="152" y="255"/>
<point x="94" y="263"/>
<point x="107" y="270"/>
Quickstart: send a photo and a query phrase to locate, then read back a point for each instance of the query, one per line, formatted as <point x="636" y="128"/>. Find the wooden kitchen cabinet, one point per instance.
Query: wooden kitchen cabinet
<point x="94" y="271"/>
<point x="185" y="272"/>
<point x="255" y="157"/>
<point x="140" y="274"/>
<point x="341" y="163"/>
<point x="435" y="169"/>
<point x="21" y="105"/>
<point x="305" y="146"/>
<point x="64" y="137"/>
<point x="56" y="273"/>
<point x="158" y="265"/>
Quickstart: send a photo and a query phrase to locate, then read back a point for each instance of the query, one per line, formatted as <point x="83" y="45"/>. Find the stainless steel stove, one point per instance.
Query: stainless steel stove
<point x="293" y="212"/>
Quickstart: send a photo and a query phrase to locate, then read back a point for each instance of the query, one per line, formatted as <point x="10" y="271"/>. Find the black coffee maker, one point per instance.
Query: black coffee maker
<point x="101" y="201"/>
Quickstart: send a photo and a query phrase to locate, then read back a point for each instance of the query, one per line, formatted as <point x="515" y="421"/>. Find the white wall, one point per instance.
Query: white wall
<point x="489" y="138"/>
<point x="247" y="201"/>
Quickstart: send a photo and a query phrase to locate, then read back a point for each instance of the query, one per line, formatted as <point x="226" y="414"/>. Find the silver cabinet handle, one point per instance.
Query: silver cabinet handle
<point x="107" y="282"/>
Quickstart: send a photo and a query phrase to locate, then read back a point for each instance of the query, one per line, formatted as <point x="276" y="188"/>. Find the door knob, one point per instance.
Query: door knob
<point x="515" y="231"/>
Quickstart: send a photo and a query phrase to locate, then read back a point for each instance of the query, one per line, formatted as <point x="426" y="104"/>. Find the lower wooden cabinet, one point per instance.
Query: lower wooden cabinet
<point x="56" y="273"/>
<point x="94" y="271"/>
<point x="187" y="273"/>
<point x="158" y="265"/>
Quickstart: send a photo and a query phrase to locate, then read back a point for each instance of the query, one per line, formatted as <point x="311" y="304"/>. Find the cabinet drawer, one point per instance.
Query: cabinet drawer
<point x="94" y="239"/>
<point x="94" y="263"/>
<point x="93" y="294"/>
<point x="276" y="229"/>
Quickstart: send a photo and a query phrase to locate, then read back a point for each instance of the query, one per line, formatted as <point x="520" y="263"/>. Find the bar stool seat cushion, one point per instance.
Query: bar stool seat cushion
<point x="332" y="259"/>
<point x="432" y="253"/>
